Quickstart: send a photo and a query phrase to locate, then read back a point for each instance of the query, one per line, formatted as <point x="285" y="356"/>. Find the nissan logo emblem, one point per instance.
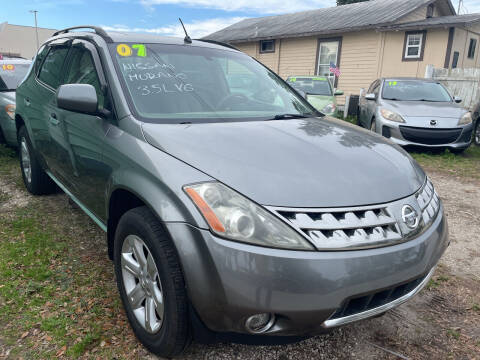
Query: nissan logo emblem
<point x="410" y="217"/>
<point x="433" y="122"/>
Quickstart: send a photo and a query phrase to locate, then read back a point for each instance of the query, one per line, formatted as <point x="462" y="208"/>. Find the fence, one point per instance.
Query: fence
<point x="463" y="83"/>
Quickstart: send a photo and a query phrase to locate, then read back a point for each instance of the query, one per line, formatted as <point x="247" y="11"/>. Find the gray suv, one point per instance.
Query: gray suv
<point x="228" y="208"/>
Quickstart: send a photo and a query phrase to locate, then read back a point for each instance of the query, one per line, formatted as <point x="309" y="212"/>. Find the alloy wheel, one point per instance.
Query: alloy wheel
<point x="26" y="164"/>
<point x="142" y="283"/>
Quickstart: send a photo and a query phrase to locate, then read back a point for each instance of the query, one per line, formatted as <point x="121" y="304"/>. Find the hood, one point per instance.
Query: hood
<point x="316" y="162"/>
<point x="8" y="95"/>
<point x="320" y="101"/>
<point x="426" y="109"/>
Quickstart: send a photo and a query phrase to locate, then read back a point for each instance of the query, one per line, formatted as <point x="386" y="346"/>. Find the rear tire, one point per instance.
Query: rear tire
<point x="141" y="244"/>
<point x="34" y="177"/>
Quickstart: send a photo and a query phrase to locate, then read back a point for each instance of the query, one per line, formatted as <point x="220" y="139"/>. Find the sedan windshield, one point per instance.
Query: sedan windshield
<point x="172" y="83"/>
<point x="11" y="75"/>
<point x="412" y="90"/>
<point x="311" y="86"/>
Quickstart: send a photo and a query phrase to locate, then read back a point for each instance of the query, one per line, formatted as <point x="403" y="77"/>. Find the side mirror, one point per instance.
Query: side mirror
<point x="370" y="97"/>
<point x="80" y="98"/>
<point x="338" y="92"/>
<point x="457" y="99"/>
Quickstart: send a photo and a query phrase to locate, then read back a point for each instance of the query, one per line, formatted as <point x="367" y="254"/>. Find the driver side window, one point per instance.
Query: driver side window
<point x="82" y="70"/>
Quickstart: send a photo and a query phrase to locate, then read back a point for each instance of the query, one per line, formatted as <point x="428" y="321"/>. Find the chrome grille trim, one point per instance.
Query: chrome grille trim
<point x="428" y="201"/>
<point x="363" y="227"/>
<point x="344" y="228"/>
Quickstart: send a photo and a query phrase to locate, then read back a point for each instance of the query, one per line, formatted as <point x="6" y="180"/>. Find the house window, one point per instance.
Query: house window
<point x="471" y="48"/>
<point x="414" y="45"/>
<point x="456" y="54"/>
<point x="328" y="53"/>
<point x="430" y="9"/>
<point x="267" y="46"/>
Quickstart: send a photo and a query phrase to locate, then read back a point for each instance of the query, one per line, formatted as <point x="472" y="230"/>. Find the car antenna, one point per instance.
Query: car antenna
<point x="187" y="38"/>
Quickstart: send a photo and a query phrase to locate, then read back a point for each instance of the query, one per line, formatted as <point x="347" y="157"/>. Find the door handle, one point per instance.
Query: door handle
<point x="26" y="101"/>
<point x="53" y="119"/>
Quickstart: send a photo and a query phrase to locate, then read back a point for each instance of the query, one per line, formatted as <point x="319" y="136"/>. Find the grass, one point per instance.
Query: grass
<point x="465" y="165"/>
<point x="57" y="290"/>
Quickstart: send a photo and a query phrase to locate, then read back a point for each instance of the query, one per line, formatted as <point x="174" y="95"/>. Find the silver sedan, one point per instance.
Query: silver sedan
<point x="416" y="112"/>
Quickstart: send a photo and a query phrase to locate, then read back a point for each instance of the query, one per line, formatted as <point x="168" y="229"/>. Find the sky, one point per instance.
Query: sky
<point x="201" y="17"/>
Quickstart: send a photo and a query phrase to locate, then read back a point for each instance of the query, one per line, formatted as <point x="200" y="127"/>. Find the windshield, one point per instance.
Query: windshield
<point x="172" y="83"/>
<point x="411" y="90"/>
<point x="11" y="75"/>
<point x="311" y="86"/>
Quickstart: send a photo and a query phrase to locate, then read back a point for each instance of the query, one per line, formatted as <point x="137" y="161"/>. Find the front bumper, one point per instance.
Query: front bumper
<point x="228" y="282"/>
<point x="403" y="135"/>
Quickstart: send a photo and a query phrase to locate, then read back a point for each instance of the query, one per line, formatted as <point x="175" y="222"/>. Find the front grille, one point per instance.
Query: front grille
<point x="362" y="227"/>
<point x="345" y="228"/>
<point x="428" y="201"/>
<point x="428" y="136"/>
<point x="373" y="300"/>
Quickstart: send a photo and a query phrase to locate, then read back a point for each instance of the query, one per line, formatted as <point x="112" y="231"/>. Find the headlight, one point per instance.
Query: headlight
<point x="10" y="109"/>
<point x="465" y="119"/>
<point x="330" y="108"/>
<point x="233" y="216"/>
<point x="390" y="115"/>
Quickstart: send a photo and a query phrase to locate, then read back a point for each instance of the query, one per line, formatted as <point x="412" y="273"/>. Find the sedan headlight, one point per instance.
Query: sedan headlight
<point x="465" y="119"/>
<point x="330" y="108"/>
<point x="10" y="110"/>
<point x="390" y="115"/>
<point x="232" y="216"/>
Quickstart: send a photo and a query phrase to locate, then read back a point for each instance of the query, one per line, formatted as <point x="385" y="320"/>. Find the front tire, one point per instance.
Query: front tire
<point x="151" y="283"/>
<point x="373" y="126"/>
<point x="476" y="133"/>
<point x="34" y="177"/>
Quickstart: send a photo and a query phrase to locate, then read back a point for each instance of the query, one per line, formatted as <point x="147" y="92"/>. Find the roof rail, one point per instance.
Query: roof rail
<point x="218" y="43"/>
<point x="98" y="30"/>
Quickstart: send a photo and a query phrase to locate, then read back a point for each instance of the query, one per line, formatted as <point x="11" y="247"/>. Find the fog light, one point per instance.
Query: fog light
<point x="259" y="323"/>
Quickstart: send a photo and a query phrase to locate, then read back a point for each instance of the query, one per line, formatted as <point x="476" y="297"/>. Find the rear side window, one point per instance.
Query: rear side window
<point x="51" y="70"/>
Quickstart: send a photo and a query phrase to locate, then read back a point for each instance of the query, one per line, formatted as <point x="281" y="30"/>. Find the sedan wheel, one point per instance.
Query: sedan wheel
<point x="373" y="126"/>
<point x="142" y="283"/>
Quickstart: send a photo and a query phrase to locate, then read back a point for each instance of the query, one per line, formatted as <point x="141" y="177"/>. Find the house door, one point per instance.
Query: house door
<point x="327" y="53"/>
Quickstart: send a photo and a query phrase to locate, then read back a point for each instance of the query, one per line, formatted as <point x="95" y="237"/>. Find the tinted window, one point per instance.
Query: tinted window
<point x="50" y="73"/>
<point x="11" y="75"/>
<point x="414" y="91"/>
<point x="82" y="71"/>
<point x="182" y="83"/>
<point x="373" y="86"/>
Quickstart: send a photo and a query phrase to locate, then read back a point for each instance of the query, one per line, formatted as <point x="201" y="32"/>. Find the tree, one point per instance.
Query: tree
<point x="346" y="2"/>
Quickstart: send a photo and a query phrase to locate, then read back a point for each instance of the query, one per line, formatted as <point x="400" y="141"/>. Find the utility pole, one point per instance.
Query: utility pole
<point x="459" y="6"/>
<point x="36" y="27"/>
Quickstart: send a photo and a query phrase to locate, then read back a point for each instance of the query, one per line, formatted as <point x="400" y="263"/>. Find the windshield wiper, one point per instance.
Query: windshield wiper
<point x="5" y="90"/>
<point x="290" y="116"/>
<point x="393" y="99"/>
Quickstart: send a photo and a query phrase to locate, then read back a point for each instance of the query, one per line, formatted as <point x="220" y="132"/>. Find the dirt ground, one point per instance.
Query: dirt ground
<point x="442" y="322"/>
